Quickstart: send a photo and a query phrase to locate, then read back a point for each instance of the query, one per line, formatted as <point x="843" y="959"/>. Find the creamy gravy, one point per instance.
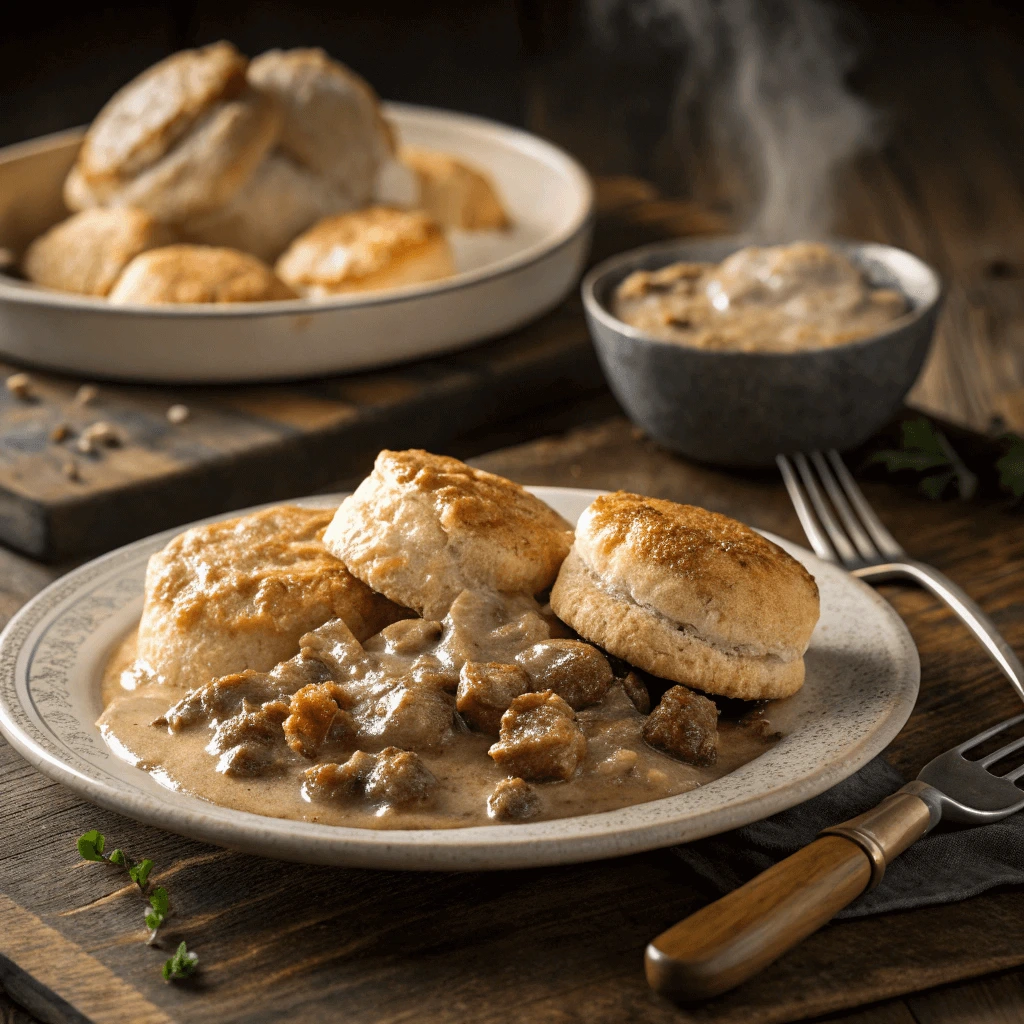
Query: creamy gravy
<point x="398" y="691"/>
<point x="783" y="298"/>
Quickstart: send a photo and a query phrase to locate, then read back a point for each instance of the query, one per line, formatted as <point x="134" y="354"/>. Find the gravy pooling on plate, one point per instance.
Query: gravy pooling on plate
<point x="783" y="298"/>
<point x="618" y="768"/>
<point x="485" y="709"/>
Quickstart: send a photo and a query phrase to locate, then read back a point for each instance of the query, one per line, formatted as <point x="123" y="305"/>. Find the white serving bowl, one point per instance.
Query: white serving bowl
<point x="504" y="279"/>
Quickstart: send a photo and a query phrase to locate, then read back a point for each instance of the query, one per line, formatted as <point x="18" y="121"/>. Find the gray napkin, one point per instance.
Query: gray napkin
<point x="948" y="865"/>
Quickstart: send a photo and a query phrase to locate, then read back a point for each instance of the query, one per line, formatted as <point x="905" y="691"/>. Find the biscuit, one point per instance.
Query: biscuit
<point x="239" y="594"/>
<point x="372" y="249"/>
<point x="331" y="120"/>
<point x="202" y="172"/>
<point x="453" y="193"/>
<point x="197" y="273"/>
<point x="421" y="528"/>
<point x="87" y="252"/>
<point x="179" y="140"/>
<point x="144" y="118"/>
<point x="688" y="595"/>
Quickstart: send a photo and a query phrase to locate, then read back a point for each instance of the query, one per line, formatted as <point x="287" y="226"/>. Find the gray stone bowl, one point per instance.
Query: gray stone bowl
<point x="741" y="409"/>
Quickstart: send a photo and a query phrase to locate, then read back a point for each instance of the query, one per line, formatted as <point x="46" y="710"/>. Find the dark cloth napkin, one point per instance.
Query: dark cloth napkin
<point x="948" y="865"/>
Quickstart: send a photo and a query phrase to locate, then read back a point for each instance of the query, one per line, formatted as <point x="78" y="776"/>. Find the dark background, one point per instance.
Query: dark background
<point x="531" y="62"/>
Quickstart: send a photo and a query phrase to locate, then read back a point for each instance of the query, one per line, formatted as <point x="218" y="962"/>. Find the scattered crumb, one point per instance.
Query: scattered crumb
<point x="70" y="470"/>
<point x="99" y="433"/>
<point x="636" y="433"/>
<point x="20" y="385"/>
<point x="178" y="414"/>
<point x="61" y="432"/>
<point x="7" y="259"/>
<point x="86" y="393"/>
<point x="575" y="471"/>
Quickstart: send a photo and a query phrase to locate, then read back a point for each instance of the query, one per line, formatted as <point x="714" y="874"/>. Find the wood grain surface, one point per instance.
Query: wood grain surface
<point x="285" y="942"/>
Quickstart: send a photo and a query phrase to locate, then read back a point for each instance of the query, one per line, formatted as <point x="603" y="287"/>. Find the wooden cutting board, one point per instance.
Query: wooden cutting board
<point x="245" y="445"/>
<point x="285" y="942"/>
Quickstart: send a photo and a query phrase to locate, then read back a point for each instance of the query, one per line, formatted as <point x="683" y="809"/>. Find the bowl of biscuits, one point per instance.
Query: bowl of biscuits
<point x="227" y="219"/>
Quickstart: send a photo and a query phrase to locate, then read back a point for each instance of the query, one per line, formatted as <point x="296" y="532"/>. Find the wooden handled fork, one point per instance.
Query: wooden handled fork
<point x="733" y="938"/>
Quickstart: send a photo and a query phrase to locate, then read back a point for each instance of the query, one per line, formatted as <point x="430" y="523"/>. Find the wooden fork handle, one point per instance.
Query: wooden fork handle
<point x="733" y="938"/>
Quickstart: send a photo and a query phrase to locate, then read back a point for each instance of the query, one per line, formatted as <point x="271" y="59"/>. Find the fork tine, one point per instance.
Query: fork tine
<point x="998" y="755"/>
<point x="879" y="534"/>
<point x="861" y="540"/>
<point x="814" y="533"/>
<point x="988" y="734"/>
<point x="847" y="554"/>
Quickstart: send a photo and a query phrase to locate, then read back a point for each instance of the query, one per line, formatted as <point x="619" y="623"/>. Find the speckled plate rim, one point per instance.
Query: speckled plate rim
<point x="863" y="675"/>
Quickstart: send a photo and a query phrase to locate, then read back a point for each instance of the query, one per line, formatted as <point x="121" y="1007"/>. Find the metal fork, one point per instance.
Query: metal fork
<point x="845" y="529"/>
<point x="733" y="938"/>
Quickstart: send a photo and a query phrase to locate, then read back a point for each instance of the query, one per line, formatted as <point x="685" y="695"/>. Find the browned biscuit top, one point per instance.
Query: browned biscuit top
<point x="699" y="569"/>
<point x="197" y="273"/>
<point x="351" y="247"/>
<point x="683" y="538"/>
<point x="472" y="500"/>
<point x="144" y="118"/>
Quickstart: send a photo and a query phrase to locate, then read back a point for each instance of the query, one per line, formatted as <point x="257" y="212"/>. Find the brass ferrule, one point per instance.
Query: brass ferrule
<point x="885" y="831"/>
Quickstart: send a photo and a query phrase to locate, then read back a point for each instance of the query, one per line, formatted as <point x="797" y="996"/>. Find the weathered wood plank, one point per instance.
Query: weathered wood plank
<point x="996" y="1000"/>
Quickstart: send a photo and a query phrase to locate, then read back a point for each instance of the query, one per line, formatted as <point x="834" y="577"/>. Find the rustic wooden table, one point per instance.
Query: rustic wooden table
<point x="287" y="942"/>
<point x="283" y="942"/>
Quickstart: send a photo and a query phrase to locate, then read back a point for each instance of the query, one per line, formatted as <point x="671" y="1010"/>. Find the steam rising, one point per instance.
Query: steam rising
<point x="761" y="103"/>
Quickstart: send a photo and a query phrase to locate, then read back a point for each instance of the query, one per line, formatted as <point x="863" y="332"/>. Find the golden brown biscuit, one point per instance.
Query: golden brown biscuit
<point x="87" y="252"/>
<point x="365" y="251"/>
<point x="331" y="120"/>
<point x="688" y="595"/>
<point x="179" y="140"/>
<point x="197" y="273"/>
<point x="239" y="594"/>
<point x="453" y="193"/>
<point x="421" y="528"/>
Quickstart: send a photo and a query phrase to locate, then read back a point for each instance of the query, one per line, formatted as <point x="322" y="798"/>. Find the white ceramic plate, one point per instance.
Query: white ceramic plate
<point x="504" y="279"/>
<point x="862" y="679"/>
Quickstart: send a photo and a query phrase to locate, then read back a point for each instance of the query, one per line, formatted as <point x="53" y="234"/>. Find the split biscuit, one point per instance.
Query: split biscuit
<point x="688" y="595"/>
<point x="422" y="528"/>
<point x="239" y="594"/>
<point x="179" y="140"/>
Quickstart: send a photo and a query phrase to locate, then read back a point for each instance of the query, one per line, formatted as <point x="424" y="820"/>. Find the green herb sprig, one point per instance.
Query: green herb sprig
<point x="182" y="965"/>
<point x="160" y="908"/>
<point x="923" y="449"/>
<point x="91" y="846"/>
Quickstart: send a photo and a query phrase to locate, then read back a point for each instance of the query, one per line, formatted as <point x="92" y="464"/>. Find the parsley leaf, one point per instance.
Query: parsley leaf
<point x="924" y="448"/>
<point x="182" y="965"/>
<point x="161" y="908"/>
<point x="139" y="873"/>
<point x="90" y="845"/>
<point x="1011" y="467"/>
